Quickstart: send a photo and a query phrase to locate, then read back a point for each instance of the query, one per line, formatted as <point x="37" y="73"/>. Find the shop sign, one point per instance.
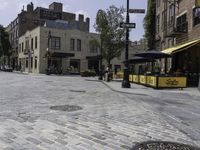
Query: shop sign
<point x="172" y="82"/>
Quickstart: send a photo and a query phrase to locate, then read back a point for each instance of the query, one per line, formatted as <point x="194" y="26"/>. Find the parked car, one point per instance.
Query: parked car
<point x="6" y="68"/>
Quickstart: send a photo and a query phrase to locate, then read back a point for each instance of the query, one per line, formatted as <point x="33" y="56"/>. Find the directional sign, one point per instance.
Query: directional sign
<point x="137" y="11"/>
<point x="127" y="25"/>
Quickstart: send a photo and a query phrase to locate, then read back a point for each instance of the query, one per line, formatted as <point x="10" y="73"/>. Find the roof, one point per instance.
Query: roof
<point x="60" y="24"/>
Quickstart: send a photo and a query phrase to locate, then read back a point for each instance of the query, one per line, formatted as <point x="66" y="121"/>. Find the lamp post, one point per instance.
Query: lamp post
<point x="101" y="67"/>
<point x="125" y="82"/>
<point x="48" y="70"/>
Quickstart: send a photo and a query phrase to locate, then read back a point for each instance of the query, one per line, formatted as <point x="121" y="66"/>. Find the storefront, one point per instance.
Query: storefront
<point x="155" y="78"/>
<point x="186" y="61"/>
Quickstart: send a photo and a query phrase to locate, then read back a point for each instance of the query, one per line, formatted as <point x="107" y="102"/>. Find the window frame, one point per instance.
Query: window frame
<point x="55" y="43"/>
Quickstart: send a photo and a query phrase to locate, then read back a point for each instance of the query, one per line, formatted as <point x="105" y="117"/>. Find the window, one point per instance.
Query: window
<point x="31" y="43"/>
<point x="72" y="44"/>
<point x="196" y="16"/>
<point x="78" y="45"/>
<point x="35" y="62"/>
<point x="93" y="48"/>
<point x="158" y="3"/>
<point x="27" y="45"/>
<point x="22" y="47"/>
<point x="27" y="62"/>
<point x="171" y="14"/>
<point x="31" y="62"/>
<point x="36" y="42"/>
<point x="55" y="42"/>
<point x="158" y="23"/>
<point x="164" y="20"/>
<point x="182" y="23"/>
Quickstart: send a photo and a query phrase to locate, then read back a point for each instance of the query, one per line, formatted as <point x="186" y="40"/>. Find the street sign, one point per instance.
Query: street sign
<point x="127" y="25"/>
<point x="137" y="11"/>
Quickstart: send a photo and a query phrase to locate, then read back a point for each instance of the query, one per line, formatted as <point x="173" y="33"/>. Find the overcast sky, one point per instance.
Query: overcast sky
<point x="10" y="8"/>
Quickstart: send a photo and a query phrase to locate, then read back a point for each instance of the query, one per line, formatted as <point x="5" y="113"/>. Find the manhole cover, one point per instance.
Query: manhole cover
<point x="156" y="145"/>
<point x="66" y="108"/>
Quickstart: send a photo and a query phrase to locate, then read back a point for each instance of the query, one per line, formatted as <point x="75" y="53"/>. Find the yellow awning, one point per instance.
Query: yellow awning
<point x="181" y="47"/>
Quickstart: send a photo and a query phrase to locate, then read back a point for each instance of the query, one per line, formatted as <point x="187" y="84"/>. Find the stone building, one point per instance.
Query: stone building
<point x="31" y="18"/>
<point x="134" y="47"/>
<point x="178" y="32"/>
<point x="58" y="46"/>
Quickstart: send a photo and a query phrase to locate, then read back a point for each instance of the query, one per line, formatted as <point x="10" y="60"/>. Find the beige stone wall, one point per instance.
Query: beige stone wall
<point x="34" y="52"/>
<point x="65" y="36"/>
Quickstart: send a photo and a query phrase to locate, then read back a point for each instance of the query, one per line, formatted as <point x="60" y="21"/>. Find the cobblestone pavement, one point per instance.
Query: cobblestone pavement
<point x="108" y="120"/>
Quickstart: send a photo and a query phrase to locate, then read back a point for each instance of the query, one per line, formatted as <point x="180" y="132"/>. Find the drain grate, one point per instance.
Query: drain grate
<point x="158" y="145"/>
<point x="66" y="108"/>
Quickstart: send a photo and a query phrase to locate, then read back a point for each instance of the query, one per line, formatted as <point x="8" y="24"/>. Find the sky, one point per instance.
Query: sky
<point x="10" y="8"/>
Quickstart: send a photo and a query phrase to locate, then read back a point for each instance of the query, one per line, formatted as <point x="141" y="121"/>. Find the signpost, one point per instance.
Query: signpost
<point x="127" y="25"/>
<point x="137" y="11"/>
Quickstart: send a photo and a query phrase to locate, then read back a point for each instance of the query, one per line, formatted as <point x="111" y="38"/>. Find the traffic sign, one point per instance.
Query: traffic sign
<point x="127" y="25"/>
<point x="137" y="11"/>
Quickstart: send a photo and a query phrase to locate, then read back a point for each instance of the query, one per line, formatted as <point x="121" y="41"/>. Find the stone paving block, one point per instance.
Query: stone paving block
<point x="33" y="140"/>
<point x="63" y="142"/>
<point x="6" y="140"/>
<point x="46" y="140"/>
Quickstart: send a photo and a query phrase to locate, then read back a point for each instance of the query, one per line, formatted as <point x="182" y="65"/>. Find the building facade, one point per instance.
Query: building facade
<point x="31" y="18"/>
<point x="178" y="33"/>
<point x="66" y="49"/>
<point x="134" y="47"/>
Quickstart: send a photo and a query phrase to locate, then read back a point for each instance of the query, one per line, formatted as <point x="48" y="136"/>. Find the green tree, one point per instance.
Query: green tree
<point x="150" y="24"/>
<point x="4" y="44"/>
<point x="111" y="35"/>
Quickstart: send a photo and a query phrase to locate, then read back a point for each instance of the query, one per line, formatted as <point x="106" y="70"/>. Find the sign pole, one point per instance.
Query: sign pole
<point x="125" y="82"/>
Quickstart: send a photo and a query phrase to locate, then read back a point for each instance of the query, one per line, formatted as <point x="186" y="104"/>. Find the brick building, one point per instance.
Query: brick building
<point x="31" y="18"/>
<point x="178" y="33"/>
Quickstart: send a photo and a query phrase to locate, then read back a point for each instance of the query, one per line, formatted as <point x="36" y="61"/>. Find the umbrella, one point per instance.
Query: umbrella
<point x="137" y="60"/>
<point x="153" y="54"/>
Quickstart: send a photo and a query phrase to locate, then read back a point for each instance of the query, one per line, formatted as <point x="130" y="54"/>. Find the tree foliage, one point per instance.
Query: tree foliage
<point x="150" y="24"/>
<point x="4" y="43"/>
<point x="111" y="35"/>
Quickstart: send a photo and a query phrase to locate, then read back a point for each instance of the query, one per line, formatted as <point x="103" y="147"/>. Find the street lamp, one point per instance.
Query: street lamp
<point x="125" y="82"/>
<point x="48" y="71"/>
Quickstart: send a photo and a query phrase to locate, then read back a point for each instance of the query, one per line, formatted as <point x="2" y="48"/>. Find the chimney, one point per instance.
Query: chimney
<point x="88" y="24"/>
<point x="81" y="18"/>
<point x="30" y="7"/>
<point x="58" y="7"/>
